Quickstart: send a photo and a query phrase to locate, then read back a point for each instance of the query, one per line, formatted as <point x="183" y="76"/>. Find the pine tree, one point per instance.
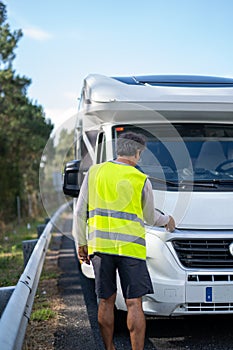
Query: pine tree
<point x="24" y="130"/>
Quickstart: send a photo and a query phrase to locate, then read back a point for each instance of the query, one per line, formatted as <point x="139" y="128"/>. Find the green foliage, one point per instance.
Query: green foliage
<point x="42" y="314"/>
<point x="49" y="275"/>
<point x="24" y="129"/>
<point x="8" y="40"/>
<point x="42" y="305"/>
<point x="11" y="252"/>
<point x="11" y="268"/>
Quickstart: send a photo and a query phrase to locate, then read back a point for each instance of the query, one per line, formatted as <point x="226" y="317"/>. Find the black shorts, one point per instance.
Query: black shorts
<point x="133" y="273"/>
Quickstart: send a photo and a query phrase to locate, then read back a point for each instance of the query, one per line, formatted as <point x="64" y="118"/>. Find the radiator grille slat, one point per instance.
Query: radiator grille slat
<point x="198" y="253"/>
<point x="210" y="307"/>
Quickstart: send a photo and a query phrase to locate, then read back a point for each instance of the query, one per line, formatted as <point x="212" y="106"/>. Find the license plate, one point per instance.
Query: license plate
<point x="208" y="295"/>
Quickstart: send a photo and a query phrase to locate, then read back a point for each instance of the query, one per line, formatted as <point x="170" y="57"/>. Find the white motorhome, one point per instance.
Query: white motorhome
<point x="188" y="124"/>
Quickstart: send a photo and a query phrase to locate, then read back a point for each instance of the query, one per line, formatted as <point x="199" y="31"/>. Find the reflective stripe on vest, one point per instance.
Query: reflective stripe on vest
<point x="117" y="236"/>
<point x="115" y="212"/>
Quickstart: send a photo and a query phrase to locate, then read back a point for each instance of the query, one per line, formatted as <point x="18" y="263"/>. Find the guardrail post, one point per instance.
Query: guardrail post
<point x="40" y="229"/>
<point x="28" y="247"/>
<point x="5" y="294"/>
<point x="46" y="220"/>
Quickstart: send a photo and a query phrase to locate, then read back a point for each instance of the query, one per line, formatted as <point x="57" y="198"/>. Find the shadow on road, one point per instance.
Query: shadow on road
<point x="194" y="332"/>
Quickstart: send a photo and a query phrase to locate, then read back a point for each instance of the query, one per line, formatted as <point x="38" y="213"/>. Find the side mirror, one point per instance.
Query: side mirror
<point x="70" y="182"/>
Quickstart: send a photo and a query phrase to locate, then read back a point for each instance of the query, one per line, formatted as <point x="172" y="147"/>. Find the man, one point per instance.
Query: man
<point x="116" y="199"/>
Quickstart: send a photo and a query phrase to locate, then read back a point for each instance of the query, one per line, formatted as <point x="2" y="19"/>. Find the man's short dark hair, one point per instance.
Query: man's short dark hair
<point x="129" y="143"/>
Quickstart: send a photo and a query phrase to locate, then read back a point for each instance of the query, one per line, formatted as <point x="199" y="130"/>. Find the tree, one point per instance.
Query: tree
<point x="8" y="40"/>
<point x="24" y="129"/>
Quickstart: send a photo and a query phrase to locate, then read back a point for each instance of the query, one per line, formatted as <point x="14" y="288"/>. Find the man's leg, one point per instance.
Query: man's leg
<point x="136" y="323"/>
<point x="106" y="320"/>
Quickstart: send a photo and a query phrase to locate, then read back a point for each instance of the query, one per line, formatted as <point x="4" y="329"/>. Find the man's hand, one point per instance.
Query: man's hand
<point x="171" y="225"/>
<point x="83" y="254"/>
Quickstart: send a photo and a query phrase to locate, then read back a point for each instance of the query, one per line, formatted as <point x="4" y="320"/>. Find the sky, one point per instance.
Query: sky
<point x="64" y="41"/>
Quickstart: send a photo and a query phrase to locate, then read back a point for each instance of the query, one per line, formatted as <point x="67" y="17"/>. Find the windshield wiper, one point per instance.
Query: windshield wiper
<point x="185" y="183"/>
<point x="199" y="183"/>
<point x="162" y="181"/>
<point x="222" y="181"/>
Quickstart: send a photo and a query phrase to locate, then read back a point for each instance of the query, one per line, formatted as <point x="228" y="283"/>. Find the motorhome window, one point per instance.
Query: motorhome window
<point x="86" y="159"/>
<point x="197" y="153"/>
<point x="101" y="150"/>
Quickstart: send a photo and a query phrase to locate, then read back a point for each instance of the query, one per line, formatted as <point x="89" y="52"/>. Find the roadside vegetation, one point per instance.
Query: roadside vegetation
<point x="47" y="303"/>
<point x="26" y="156"/>
<point x="24" y="131"/>
<point x="48" y="306"/>
<point x="11" y="251"/>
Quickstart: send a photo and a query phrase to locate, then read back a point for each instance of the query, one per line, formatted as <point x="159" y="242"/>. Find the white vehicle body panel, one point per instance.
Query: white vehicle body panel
<point x="199" y="213"/>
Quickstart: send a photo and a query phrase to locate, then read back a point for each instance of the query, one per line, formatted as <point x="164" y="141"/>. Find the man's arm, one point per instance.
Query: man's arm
<point x="80" y="213"/>
<point x="152" y="216"/>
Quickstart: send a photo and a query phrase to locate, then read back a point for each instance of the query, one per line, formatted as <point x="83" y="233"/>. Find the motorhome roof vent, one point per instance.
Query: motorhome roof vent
<point x="177" y="80"/>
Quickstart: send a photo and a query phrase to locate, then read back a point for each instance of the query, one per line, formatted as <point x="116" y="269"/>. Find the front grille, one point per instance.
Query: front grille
<point x="208" y="307"/>
<point x="202" y="253"/>
<point x="209" y="278"/>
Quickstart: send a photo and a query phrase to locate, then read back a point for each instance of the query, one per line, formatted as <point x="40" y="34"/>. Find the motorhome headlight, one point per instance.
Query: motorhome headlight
<point x="231" y="248"/>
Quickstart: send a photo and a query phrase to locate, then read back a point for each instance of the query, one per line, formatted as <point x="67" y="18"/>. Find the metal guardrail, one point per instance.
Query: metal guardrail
<point x="15" y="317"/>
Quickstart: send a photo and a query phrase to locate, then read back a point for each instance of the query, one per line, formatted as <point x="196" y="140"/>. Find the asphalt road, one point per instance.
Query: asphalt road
<point x="80" y="330"/>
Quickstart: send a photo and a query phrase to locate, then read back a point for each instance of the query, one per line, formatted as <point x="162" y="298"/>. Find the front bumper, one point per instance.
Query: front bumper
<point x="202" y="293"/>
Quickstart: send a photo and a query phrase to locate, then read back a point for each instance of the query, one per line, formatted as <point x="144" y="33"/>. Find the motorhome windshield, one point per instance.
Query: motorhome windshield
<point x="184" y="155"/>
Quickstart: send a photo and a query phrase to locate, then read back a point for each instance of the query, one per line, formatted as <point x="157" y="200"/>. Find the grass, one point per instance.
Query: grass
<point x="41" y="308"/>
<point x="12" y="266"/>
<point x="42" y="314"/>
<point x="11" y="252"/>
<point x="47" y="275"/>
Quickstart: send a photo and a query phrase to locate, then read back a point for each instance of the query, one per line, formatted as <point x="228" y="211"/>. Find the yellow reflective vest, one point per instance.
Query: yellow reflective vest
<point x="115" y="216"/>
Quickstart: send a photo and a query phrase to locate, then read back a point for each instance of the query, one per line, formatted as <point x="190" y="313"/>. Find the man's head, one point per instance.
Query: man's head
<point x="130" y="144"/>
